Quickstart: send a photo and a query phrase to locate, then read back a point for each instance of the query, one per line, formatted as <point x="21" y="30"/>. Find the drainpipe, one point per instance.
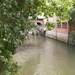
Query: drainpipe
<point x="56" y="30"/>
<point x="56" y="26"/>
<point x="55" y="21"/>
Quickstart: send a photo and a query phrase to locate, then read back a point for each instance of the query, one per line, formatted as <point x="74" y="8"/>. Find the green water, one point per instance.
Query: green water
<point x="45" y="56"/>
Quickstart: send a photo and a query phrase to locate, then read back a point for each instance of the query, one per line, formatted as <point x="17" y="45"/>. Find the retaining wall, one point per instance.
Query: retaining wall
<point x="58" y="36"/>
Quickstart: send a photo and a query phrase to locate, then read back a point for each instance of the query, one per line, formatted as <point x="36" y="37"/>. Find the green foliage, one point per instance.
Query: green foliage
<point x="8" y="67"/>
<point x="58" y="22"/>
<point x="72" y="15"/>
<point x="72" y="37"/>
<point x="60" y="8"/>
<point x="50" y="26"/>
<point x="13" y="21"/>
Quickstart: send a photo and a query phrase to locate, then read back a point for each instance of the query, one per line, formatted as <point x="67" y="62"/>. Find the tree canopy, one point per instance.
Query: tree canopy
<point x="72" y="14"/>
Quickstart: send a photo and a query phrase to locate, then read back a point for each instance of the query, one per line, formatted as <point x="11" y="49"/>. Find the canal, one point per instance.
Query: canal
<point x="45" y="56"/>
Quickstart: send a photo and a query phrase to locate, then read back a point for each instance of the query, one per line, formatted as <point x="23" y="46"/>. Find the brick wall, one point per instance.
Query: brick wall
<point x="63" y="28"/>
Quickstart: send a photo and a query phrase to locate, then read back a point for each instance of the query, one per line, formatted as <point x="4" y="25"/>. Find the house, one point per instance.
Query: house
<point x="64" y="32"/>
<point x="60" y="32"/>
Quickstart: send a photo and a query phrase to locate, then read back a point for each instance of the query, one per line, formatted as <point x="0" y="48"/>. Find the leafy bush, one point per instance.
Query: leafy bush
<point x="8" y="67"/>
<point x="13" y="21"/>
<point x="72" y="14"/>
<point x="72" y="33"/>
<point x="71" y="38"/>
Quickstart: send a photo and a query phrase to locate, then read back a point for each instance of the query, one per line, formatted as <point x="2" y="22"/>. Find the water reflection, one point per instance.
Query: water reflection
<point x="45" y="56"/>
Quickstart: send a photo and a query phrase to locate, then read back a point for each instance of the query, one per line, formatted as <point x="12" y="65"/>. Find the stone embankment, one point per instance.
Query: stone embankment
<point x="58" y="36"/>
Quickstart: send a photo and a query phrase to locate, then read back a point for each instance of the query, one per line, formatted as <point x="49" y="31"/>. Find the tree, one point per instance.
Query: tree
<point x="60" y="8"/>
<point x="14" y="19"/>
<point x="72" y="15"/>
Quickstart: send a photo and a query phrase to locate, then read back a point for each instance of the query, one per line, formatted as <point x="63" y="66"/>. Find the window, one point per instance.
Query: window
<point x="64" y="24"/>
